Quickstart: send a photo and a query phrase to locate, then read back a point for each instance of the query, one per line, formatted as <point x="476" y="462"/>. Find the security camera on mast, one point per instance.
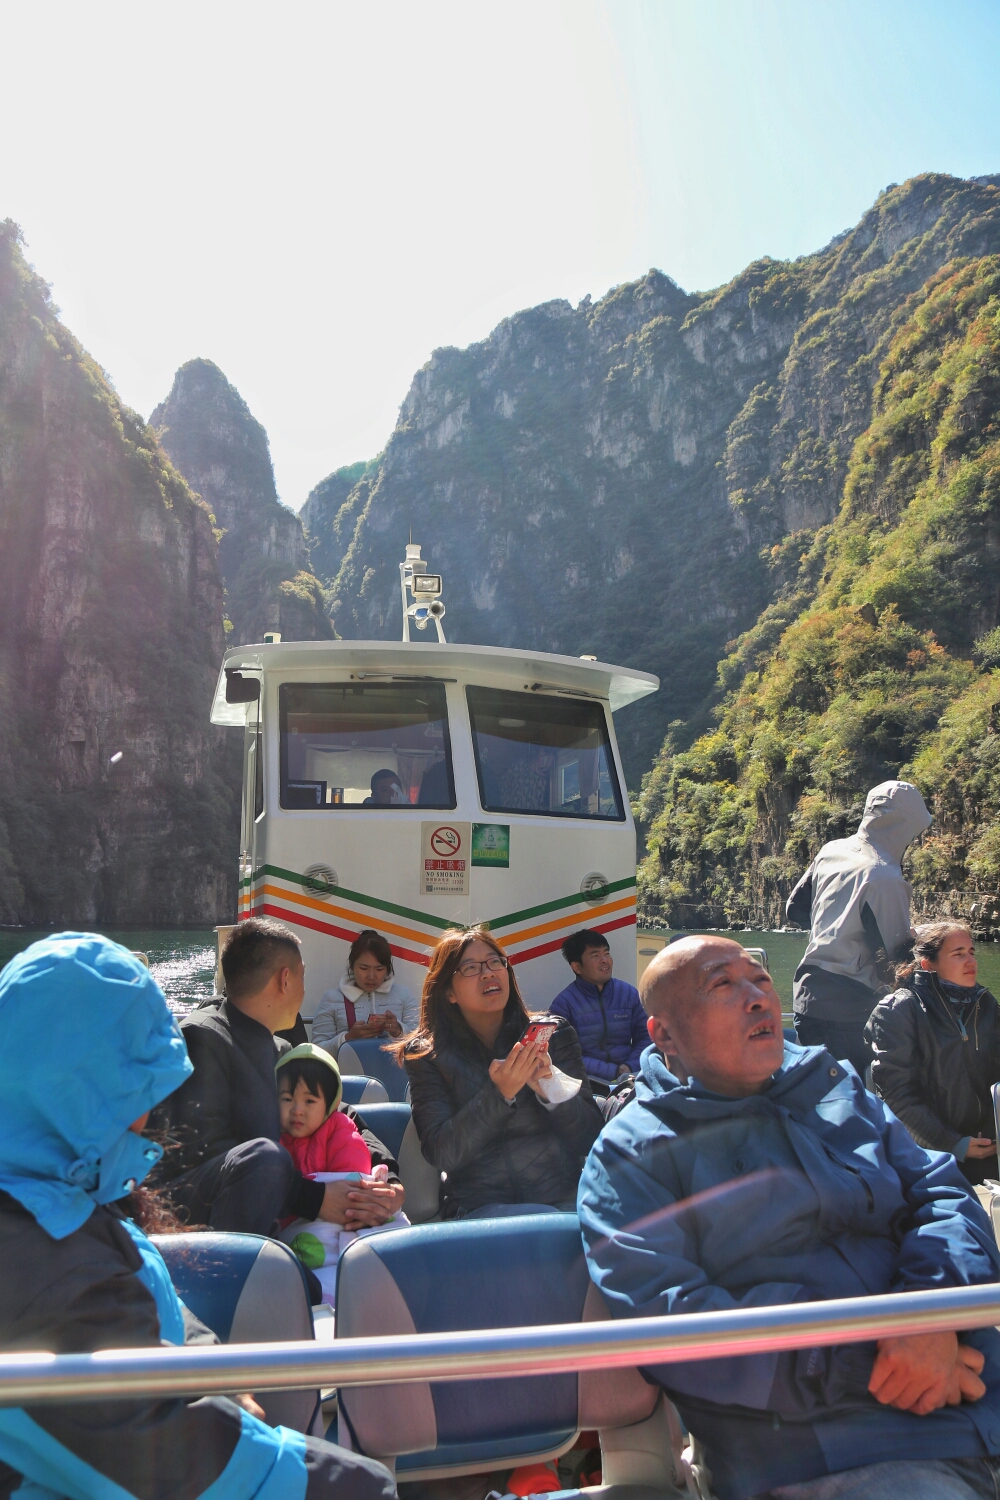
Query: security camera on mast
<point x="426" y="589"/>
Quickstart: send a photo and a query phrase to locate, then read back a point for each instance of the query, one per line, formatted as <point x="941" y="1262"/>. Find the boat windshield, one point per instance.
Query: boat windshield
<point x="541" y="754"/>
<point x="378" y="744"/>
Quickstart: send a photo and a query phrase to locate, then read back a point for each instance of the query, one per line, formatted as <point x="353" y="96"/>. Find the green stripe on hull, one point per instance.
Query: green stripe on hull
<point x="341" y="890"/>
<point x="562" y="901"/>
<point x="442" y="923"/>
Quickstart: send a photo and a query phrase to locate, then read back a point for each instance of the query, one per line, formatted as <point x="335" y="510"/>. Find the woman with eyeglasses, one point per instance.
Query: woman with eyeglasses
<point x="478" y="1093"/>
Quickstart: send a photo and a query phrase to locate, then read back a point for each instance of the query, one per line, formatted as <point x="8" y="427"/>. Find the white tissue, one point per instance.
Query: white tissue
<point x="558" y="1087"/>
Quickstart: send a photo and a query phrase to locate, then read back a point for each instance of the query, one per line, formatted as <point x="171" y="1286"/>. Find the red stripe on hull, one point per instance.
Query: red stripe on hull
<point x="298" y="919"/>
<point x="543" y="948"/>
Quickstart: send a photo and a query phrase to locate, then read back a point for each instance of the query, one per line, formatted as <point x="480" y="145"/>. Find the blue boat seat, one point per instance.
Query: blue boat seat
<point x="790" y="1034"/>
<point x="360" y="1089"/>
<point x="386" y="1120"/>
<point x="248" y="1290"/>
<point x="493" y="1273"/>
<point x="368" y="1055"/>
<point x="394" y="1127"/>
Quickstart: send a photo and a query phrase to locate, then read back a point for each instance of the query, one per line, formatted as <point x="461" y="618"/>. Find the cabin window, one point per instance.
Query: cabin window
<point x="542" y="754"/>
<point x="378" y="744"/>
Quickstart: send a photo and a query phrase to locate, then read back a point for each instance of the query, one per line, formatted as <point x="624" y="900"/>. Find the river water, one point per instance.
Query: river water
<point x="183" y="960"/>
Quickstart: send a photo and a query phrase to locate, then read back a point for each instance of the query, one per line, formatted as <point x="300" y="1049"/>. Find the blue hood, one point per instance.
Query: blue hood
<point x="89" y="1045"/>
<point x="804" y="1077"/>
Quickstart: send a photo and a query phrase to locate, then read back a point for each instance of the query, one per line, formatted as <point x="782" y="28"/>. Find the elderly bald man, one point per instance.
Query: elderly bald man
<point x="770" y="1175"/>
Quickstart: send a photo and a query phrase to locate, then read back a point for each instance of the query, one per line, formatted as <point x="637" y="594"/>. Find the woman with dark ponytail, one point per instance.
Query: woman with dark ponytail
<point x="936" y="1045"/>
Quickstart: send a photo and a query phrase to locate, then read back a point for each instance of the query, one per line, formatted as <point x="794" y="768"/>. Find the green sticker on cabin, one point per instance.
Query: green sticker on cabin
<point x="491" y="845"/>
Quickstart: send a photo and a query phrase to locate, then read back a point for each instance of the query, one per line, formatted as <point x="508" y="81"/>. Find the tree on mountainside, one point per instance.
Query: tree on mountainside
<point x="867" y="665"/>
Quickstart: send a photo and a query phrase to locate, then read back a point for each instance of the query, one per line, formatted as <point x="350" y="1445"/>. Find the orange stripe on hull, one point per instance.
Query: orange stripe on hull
<point x="573" y="920"/>
<point x="314" y="904"/>
<point x="299" y="919"/>
<point x="543" y="948"/>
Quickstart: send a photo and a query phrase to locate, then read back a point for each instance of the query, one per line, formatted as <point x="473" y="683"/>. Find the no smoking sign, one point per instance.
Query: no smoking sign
<point x="446" y="842"/>
<point x="444" y="864"/>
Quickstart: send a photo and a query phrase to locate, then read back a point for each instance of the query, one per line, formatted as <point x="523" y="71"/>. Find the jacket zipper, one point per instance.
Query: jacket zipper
<point x="858" y="1174"/>
<point x="604" y="1016"/>
<point x="950" y="1010"/>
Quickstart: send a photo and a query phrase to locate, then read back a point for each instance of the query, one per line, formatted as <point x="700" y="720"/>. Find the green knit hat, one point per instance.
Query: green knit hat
<point x="309" y="1052"/>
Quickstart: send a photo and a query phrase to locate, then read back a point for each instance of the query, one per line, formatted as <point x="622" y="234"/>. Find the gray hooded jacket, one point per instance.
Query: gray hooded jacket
<point x="855" y="899"/>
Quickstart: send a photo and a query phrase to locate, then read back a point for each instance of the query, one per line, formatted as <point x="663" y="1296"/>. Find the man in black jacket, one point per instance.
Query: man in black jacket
<point x="225" y="1166"/>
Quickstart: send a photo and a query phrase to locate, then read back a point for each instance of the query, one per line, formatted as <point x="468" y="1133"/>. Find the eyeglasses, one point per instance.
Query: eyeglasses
<point x="472" y="970"/>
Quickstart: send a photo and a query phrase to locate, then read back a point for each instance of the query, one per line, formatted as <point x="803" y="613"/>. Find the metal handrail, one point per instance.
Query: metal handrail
<point x="491" y="1353"/>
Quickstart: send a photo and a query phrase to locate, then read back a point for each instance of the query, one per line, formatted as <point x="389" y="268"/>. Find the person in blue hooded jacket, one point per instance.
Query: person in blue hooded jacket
<point x="771" y="1177"/>
<point x="89" y="1047"/>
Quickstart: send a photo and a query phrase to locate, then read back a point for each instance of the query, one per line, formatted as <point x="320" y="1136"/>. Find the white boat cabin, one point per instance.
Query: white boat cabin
<point x="410" y="786"/>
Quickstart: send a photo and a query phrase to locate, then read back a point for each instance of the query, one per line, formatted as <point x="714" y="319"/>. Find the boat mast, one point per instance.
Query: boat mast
<point x="426" y="589"/>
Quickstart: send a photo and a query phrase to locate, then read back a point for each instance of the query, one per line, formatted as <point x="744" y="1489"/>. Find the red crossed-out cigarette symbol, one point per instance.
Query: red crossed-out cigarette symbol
<point x="446" y="841"/>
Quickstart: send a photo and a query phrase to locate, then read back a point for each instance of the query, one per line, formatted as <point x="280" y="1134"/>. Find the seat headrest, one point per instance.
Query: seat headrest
<point x="387" y="1121"/>
<point x="209" y="1272"/>
<point x="439" y="1278"/>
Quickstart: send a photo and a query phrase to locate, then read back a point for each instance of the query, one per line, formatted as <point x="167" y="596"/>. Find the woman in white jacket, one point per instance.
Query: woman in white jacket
<point x="369" y="1000"/>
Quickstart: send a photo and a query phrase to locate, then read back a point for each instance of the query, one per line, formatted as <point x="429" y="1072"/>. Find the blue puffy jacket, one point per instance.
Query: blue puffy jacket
<point x="88" y="1047"/>
<point x="690" y="1202"/>
<point x="610" y="1023"/>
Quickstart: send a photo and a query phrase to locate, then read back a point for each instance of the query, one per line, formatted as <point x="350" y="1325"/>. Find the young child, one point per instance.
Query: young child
<point x="326" y="1146"/>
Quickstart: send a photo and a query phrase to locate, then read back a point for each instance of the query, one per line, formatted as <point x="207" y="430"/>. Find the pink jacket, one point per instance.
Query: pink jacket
<point x="336" y="1146"/>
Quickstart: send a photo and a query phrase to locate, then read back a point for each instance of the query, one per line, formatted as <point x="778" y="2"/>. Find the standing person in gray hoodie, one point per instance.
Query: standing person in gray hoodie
<point x="856" y="904"/>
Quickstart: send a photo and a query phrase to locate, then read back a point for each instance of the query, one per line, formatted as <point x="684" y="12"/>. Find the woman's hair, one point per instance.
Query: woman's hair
<point x="371" y="942"/>
<point x="154" y="1213"/>
<point x="316" y="1076"/>
<point x="440" y="1021"/>
<point x="928" y="943"/>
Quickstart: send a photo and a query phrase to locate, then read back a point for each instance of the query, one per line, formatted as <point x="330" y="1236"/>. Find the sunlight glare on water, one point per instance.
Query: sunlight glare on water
<point x="181" y="961"/>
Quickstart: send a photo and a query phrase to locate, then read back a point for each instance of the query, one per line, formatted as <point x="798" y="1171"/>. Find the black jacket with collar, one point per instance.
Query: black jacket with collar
<point x="934" y="1064"/>
<point x="82" y="1293"/>
<point x="232" y="1097"/>
<point x="489" y="1151"/>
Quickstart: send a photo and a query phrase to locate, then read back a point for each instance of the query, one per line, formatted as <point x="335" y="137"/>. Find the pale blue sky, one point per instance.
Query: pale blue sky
<point x="317" y="195"/>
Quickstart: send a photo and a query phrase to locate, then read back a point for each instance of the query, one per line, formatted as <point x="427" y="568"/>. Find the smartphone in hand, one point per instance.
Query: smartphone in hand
<point x="538" y="1030"/>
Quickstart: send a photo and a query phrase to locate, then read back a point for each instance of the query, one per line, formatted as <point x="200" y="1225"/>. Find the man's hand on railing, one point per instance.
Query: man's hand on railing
<point x="925" y="1371"/>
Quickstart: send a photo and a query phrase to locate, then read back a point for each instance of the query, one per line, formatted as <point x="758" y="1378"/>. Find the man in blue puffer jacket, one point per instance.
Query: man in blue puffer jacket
<point x="773" y="1177"/>
<point x="606" y="1013"/>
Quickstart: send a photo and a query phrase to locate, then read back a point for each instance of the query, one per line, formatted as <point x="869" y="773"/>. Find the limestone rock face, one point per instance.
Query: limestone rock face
<point x="329" y="520"/>
<point x="209" y="433"/>
<point x="605" y="478"/>
<point x="110" y="642"/>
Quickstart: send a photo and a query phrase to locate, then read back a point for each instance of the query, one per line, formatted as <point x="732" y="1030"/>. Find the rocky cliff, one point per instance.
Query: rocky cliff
<point x="611" y="478"/>
<point x="880" y="655"/>
<point x="209" y="433"/>
<point x="110" y="641"/>
<point x="329" y="520"/>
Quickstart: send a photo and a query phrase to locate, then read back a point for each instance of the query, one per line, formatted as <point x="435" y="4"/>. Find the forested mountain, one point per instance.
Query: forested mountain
<point x="110" y="640"/>
<point x="712" y="487"/>
<point x="782" y="496"/>
<point x="611" y="478"/>
<point x="325" y="518"/>
<point x="207" y="430"/>
<point x="878" y="656"/>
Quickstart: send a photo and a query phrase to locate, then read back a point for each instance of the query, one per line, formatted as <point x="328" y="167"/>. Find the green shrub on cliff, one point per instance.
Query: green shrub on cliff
<point x="864" y="667"/>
